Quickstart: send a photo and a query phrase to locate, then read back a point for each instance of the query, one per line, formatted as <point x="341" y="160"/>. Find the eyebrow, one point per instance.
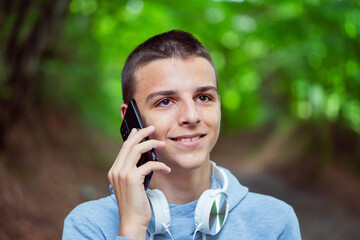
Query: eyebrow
<point x="160" y="93"/>
<point x="207" y="88"/>
<point x="174" y="92"/>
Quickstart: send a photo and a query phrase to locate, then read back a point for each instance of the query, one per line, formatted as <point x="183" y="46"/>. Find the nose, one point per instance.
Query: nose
<point x="189" y="115"/>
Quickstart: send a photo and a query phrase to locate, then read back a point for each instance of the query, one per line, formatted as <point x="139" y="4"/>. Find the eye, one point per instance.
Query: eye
<point x="164" y="102"/>
<point x="204" y="98"/>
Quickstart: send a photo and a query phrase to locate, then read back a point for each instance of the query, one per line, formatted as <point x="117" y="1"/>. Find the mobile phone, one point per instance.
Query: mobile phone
<point x="132" y="119"/>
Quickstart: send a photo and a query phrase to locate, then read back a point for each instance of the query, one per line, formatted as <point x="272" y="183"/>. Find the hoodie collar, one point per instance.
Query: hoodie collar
<point x="236" y="192"/>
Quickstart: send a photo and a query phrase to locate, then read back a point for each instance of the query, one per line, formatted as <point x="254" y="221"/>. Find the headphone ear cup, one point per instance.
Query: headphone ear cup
<point x="202" y="211"/>
<point x="211" y="211"/>
<point x="160" y="220"/>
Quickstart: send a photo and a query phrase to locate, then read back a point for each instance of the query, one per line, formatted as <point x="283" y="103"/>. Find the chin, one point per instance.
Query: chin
<point x="186" y="162"/>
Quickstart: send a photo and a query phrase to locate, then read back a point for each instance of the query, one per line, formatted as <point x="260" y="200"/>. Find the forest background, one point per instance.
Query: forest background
<point x="289" y="80"/>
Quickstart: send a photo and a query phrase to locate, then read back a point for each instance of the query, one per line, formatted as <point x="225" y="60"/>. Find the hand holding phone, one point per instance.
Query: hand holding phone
<point x="132" y="119"/>
<point x="128" y="176"/>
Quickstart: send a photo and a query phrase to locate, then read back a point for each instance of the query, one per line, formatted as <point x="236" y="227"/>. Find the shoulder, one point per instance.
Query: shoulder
<point x="272" y="213"/>
<point x="265" y="201"/>
<point x="93" y="218"/>
<point x="265" y="205"/>
<point x="240" y="198"/>
<point x="91" y="208"/>
<point x="259" y="216"/>
<point x="272" y="218"/>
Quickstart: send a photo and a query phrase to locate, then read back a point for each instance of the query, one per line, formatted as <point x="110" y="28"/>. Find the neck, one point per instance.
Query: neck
<point x="183" y="185"/>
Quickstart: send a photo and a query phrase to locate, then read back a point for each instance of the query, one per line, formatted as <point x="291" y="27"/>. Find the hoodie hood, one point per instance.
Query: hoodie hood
<point x="236" y="192"/>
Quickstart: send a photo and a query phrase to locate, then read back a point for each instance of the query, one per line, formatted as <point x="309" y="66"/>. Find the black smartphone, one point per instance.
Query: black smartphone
<point x="132" y="119"/>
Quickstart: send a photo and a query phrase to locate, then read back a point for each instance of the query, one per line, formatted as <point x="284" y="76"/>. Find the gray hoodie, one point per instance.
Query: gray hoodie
<point x="251" y="216"/>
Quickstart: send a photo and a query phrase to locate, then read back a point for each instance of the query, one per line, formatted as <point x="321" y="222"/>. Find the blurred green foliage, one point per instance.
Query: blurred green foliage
<point x="278" y="61"/>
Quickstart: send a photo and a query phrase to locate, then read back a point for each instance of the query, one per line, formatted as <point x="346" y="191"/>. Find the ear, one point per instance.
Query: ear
<point x="123" y="110"/>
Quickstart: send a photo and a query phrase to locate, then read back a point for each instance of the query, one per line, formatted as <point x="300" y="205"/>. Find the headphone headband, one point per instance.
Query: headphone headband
<point x="220" y="175"/>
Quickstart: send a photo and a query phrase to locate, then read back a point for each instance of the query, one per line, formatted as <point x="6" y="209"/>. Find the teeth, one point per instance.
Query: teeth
<point x="189" y="139"/>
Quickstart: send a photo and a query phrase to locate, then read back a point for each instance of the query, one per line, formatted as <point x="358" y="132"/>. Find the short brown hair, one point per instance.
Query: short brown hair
<point x="170" y="44"/>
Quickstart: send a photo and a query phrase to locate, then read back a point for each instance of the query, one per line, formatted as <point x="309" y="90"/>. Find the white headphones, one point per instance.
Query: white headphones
<point x="210" y="213"/>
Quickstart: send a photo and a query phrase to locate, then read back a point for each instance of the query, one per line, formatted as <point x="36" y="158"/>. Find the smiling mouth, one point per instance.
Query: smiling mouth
<point x="188" y="139"/>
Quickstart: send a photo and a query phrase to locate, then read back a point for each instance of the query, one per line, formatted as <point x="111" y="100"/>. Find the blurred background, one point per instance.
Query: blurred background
<point x="289" y="80"/>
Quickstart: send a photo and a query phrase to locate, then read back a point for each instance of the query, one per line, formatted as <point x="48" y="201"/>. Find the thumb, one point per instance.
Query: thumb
<point x="154" y="166"/>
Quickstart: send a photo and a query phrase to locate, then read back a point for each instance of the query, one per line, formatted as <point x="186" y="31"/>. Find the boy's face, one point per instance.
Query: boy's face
<point x="180" y="99"/>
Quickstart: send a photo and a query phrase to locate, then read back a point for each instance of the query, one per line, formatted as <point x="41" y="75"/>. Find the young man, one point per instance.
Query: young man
<point x="174" y="83"/>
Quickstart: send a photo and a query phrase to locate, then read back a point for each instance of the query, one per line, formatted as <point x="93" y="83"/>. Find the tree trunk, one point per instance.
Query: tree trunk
<point x="23" y="54"/>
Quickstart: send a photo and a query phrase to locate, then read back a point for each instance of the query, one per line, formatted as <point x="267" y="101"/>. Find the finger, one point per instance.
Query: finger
<point x="139" y="135"/>
<point x="122" y="152"/>
<point x="131" y="153"/>
<point x="150" y="166"/>
<point x="136" y="176"/>
<point x="118" y="163"/>
<point x="138" y="150"/>
<point x="132" y="132"/>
